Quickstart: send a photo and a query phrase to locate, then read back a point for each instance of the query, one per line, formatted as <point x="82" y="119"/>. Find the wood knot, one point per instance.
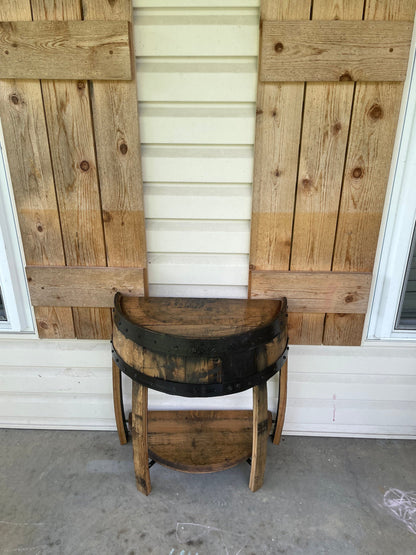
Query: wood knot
<point x="6" y="52"/>
<point x="29" y="279"/>
<point x="307" y="184"/>
<point x="43" y="325"/>
<point x="349" y="298"/>
<point x="14" y="98"/>
<point x="39" y="228"/>
<point x="84" y="166"/>
<point x="336" y="128"/>
<point x="357" y="173"/>
<point x="277" y="173"/>
<point x="123" y="148"/>
<point x="111" y="52"/>
<point x="252" y="266"/>
<point x="81" y="85"/>
<point x="278" y="47"/>
<point x="106" y="216"/>
<point x="259" y="112"/>
<point x="345" y="77"/>
<point x="274" y="113"/>
<point x="375" y="112"/>
<point x="391" y="49"/>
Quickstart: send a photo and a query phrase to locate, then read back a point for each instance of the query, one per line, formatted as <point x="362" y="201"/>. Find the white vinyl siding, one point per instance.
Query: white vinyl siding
<point x="197" y="78"/>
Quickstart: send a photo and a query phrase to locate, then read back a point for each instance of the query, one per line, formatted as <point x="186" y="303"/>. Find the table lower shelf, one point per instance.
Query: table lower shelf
<point x="201" y="441"/>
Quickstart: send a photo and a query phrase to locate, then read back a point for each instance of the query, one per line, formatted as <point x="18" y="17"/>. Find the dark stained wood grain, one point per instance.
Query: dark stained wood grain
<point x="201" y="441"/>
<point x="200" y="317"/>
<point x="140" y="438"/>
<point x="260" y="436"/>
<point x="281" y="409"/>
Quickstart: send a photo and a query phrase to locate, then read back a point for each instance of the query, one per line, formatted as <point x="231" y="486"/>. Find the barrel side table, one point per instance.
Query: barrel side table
<point x="199" y="348"/>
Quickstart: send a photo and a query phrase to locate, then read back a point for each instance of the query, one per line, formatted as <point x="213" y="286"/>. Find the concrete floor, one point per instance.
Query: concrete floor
<point x="74" y="493"/>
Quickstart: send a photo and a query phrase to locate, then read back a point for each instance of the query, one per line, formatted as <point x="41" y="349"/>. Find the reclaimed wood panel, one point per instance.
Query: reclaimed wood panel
<point x="71" y="139"/>
<point x="115" y="117"/>
<point x="372" y="133"/>
<point x="327" y="111"/>
<point x="335" y="50"/>
<point x="314" y="292"/>
<point x="276" y="149"/>
<point x="65" y="50"/>
<point x="82" y="286"/>
<point x="25" y="133"/>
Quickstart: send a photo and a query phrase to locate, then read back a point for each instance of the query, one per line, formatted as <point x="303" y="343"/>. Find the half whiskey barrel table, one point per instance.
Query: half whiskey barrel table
<point x="199" y="348"/>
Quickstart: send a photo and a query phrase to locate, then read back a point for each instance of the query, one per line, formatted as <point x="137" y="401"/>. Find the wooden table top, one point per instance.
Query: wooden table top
<point x="196" y="318"/>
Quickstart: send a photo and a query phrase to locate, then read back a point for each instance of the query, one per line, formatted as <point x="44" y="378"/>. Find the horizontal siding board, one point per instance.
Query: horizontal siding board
<point x="197" y="123"/>
<point x="209" y="236"/>
<point x="198" y="269"/>
<point x="197" y="201"/>
<point x="199" y="291"/>
<point x="353" y="386"/>
<point x="170" y="34"/>
<point x="202" y="164"/>
<point x="195" y="3"/>
<point x="351" y="412"/>
<point x="197" y="79"/>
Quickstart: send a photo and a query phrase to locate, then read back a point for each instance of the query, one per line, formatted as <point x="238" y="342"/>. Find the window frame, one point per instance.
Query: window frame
<point x="398" y="225"/>
<point x="13" y="281"/>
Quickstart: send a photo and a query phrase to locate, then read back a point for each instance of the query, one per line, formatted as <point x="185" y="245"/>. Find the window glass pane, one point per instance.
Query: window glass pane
<point x="2" y="310"/>
<point x="407" y="312"/>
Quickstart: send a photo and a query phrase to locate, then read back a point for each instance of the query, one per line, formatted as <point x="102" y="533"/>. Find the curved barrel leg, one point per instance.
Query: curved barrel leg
<point x="139" y="436"/>
<point x="118" y="405"/>
<point x="260" y="436"/>
<point x="281" y="407"/>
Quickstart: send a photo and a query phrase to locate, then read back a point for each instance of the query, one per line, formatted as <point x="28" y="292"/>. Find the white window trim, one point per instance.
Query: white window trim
<point x="398" y="223"/>
<point x="12" y="276"/>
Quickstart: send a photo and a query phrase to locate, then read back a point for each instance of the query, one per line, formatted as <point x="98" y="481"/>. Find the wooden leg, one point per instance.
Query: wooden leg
<point x="118" y="405"/>
<point x="281" y="407"/>
<point x="139" y="435"/>
<point x="260" y="436"/>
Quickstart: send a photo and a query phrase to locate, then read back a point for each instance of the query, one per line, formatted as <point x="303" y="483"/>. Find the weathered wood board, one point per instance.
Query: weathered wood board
<point x="65" y="50"/>
<point x="335" y="50"/>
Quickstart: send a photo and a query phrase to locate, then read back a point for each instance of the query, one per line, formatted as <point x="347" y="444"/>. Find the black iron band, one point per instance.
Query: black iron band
<point x="184" y="346"/>
<point x="200" y="390"/>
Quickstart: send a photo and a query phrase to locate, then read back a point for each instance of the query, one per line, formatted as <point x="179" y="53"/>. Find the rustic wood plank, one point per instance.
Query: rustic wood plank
<point x="201" y="441"/>
<point x="305" y="329"/>
<point x="315" y="292"/>
<point x="81" y="286"/>
<point x="116" y="124"/>
<point x="321" y="164"/>
<point x="327" y="109"/>
<point x="278" y="128"/>
<point x="71" y="138"/>
<point x="260" y="436"/>
<point x="373" y="129"/>
<point x="139" y="437"/>
<point x="65" y="50"/>
<point x="335" y="51"/>
<point x="24" y="128"/>
<point x="118" y="405"/>
<point x="343" y="329"/>
<point x="281" y="409"/>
